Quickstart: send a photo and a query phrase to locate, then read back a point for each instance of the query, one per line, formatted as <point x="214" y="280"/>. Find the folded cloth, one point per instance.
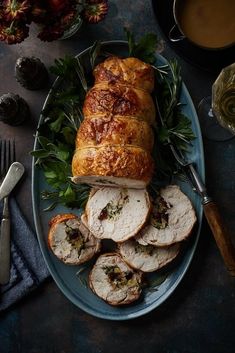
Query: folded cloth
<point x="28" y="268"/>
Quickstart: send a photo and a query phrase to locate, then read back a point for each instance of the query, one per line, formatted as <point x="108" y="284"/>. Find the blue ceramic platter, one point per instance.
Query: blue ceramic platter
<point x="72" y="280"/>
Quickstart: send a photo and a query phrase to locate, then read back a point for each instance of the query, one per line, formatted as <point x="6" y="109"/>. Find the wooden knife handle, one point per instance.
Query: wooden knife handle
<point x="221" y="235"/>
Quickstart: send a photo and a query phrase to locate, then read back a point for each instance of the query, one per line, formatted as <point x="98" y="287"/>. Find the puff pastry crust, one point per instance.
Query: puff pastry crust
<point x="117" y="161"/>
<point x="130" y="72"/>
<point x="111" y="99"/>
<point x="122" y="131"/>
<point x="114" y="142"/>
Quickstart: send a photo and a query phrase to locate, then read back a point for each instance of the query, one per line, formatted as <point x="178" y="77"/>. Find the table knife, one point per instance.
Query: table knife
<point x="211" y="211"/>
<point x="12" y="177"/>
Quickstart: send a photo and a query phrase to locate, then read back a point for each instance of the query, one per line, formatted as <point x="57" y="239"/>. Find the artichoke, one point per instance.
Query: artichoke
<point x="31" y="73"/>
<point x="13" y="109"/>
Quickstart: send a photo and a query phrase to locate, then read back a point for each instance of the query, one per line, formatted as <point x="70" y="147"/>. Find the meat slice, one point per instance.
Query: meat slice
<point x="172" y="218"/>
<point x="70" y="240"/>
<point x="117" y="214"/>
<point x="114" y="281"/>
<point x="147" y="258"/>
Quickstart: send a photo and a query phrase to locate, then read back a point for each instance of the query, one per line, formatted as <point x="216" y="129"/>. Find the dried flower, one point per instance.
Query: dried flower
<point x="15" y="9"/>
<point x="95" y="10"/>
<point x="54" y="16"/>
<point x="12" y="34"/>
<point x="68" y="18"/>
<point x="38" y="12"/>
<point x="50" y="33"/>
<point x="58" y="5"/>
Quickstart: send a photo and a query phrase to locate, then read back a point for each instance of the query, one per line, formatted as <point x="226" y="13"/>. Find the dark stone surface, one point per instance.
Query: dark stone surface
<point x="200" y="316"/>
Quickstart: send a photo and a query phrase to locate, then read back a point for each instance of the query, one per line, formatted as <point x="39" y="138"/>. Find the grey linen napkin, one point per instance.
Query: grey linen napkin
<point x="28" y="268"/>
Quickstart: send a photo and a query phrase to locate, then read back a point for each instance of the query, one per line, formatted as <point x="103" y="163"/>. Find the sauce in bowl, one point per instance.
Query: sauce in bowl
<point x="208" y="23"/>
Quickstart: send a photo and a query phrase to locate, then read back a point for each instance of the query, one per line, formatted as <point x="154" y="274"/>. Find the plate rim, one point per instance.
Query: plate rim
<point x="59" y="280"/>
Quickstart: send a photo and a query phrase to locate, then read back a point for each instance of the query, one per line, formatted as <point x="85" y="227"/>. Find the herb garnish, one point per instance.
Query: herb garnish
<point x="145" y="49"/>
<point x="169" y="84"/>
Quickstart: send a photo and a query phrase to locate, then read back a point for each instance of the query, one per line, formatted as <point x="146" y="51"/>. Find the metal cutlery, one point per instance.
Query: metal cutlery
<point x="7" y="153"/>
<point x="214" y="219"/>
<point x="12" y="177"/>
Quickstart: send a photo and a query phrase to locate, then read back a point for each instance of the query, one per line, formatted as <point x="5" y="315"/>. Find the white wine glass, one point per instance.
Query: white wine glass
<point x="217" y="112"/>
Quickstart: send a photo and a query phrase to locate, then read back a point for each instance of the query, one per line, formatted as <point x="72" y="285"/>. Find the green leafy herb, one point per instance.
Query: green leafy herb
<point x="145" y="49"/>
<point x="56" y="135"/>
<point x="177" y="127"/>
<point x="70" y="69"/>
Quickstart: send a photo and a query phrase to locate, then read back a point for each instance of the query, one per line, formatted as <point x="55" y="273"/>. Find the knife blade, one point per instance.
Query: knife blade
<point x="12" y="177"/>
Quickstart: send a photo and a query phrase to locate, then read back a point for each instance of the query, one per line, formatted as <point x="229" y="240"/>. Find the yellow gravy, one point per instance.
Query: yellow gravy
<point x="208" y="23"/>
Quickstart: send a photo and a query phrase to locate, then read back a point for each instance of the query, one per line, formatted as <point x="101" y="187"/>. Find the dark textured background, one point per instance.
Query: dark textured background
<point x="200" y="316"/>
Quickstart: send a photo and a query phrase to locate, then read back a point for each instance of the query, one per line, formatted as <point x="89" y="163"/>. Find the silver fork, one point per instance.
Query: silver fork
<point x="7" y="157"/>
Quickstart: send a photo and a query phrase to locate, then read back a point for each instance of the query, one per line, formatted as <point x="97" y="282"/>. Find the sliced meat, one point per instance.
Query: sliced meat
<point x="130" y="71"/>
<point x="114" y="281"/>
<point x="147" y="258"/>
<point x="70" y="240"/>
<point x="126" y="165"/>
<point x="172" y="219"/>
<point x="117" y="214"/>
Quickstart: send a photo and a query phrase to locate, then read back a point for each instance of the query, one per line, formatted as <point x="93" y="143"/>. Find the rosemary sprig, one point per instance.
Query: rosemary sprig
<point x="177" y="127"/>
<point x="94" y="53"/>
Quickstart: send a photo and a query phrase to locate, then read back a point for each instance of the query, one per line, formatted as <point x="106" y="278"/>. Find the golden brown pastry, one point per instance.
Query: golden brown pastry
<point x="130" y="72"/>
<point x="108" y="99"/>
<point x="114" y="131"/>
<point x="127" y="166"/>
<point x="114" y="142"/>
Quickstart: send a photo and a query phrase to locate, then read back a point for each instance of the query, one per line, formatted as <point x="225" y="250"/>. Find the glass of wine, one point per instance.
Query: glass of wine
<point x="217" y="112"/>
